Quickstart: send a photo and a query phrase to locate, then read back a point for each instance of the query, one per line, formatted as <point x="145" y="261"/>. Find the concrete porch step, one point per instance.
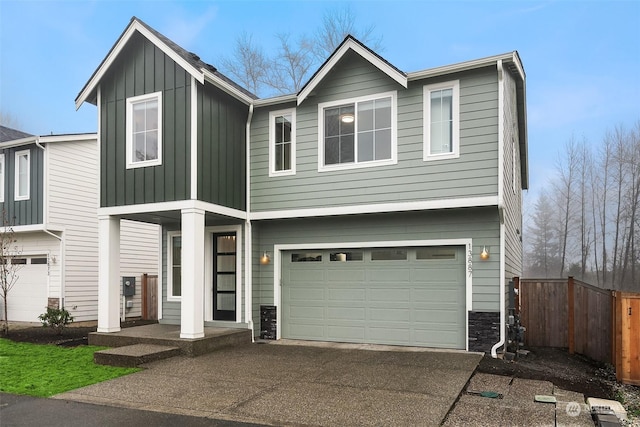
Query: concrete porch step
<point x="130" y="356"/>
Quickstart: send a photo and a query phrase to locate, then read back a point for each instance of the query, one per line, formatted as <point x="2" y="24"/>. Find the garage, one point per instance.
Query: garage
<point x="412" y="296"/>
<point x="28" y="297"/>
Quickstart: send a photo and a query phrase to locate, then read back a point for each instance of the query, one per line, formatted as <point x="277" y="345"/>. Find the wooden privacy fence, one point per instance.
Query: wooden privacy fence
<point x="598" y="323"/>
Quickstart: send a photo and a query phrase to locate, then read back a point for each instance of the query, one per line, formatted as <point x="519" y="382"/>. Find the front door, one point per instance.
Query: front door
<point x="224" y="276"/>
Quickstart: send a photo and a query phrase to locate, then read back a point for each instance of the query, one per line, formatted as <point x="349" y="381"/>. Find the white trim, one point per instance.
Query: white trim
<point x="160" y="276"/>
<point x="463" y="66"/>
<point x="466" y="202"/>
<point x="275" y="100"/>
<point x="194" y="138"/>
<point x="157" y="96"/>
<point x="454" y="85"/>
<point x="322" y="167"/>
<point x="279" y="248"/>
<point x="16" y="170"/>
<point x="501" y="144"/>
<point x="75" y="137"/>
<point x="272" y="159"/>
<point x="170" y="236"/>
<point x="31" y="228"/>
<point x="134" y="26"/>
<point x="226" y="87"/>
<point x="351" y="44"/>
<point x="2" y="177"/>
<point x="172" y="206"/>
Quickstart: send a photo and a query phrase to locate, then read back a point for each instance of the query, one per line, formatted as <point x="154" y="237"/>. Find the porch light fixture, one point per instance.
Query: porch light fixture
<point x="265" y="259"/>
<point x="347" y="118"/>
<point x="484" y="255"/>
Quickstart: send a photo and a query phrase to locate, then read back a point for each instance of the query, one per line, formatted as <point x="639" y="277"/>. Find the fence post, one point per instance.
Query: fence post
<point x="571" y="311"/>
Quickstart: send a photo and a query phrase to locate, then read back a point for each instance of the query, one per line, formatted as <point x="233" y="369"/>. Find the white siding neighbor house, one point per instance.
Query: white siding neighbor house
<point x="49" y="189"/>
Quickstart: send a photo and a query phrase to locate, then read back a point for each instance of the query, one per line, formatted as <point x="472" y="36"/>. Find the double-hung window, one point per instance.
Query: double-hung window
<point x="22" y="175"/>
<point x="359" y="132"/>
<point x="1" y="177"/>
<point x="144" y="130"/>
<point x="174" y="260"/>
<point x="282" y="143"/>
<point x="442" y="120"/>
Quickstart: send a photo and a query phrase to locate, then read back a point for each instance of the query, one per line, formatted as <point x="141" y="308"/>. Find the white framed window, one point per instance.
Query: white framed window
<point x="282" y="142"/>
<point x="1" y="177"/>
<point x="144" y="130"/>
<point x="442" y="120"/>
<point x="174" y="266"/>
<point x="358" y="132"/>
<point x="22" y="175"/>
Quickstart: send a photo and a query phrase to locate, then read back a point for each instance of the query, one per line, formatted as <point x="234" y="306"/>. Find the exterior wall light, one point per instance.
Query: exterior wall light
<point x="265" y="259"/>
<point x="484" y="255"/>
<point x="347" y="118"/>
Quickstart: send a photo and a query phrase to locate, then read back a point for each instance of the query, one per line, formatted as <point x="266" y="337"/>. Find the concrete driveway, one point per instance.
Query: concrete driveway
<point x="293" y="384"/>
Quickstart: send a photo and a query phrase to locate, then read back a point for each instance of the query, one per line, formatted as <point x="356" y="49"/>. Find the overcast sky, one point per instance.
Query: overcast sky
<point x="582" y="58"/>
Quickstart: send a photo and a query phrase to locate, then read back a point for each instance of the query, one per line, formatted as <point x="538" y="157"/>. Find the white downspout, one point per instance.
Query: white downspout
<point x="248" y="243"/>
<point x="45" y="217"/>
<point x="494" y="349"/>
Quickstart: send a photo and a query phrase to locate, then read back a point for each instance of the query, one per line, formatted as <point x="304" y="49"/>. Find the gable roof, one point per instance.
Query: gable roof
<point x="9" y="134"/>
<point x="350" y="43"/>
<point x="189" y="61"/>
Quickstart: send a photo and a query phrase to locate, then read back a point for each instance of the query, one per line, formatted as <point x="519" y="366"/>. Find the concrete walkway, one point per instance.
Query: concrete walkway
<point x="292" y="384"/>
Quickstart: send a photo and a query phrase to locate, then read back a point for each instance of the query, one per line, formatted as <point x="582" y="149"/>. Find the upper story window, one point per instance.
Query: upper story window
<point x="1" y="177"/>
<point x="359" y="132"/>
<point x="174" y="260"/>
<point x="442" y="120"/>
<point x="282" y="142"/>
<point x="22" y="175"/>
<point x="144" y="130"/>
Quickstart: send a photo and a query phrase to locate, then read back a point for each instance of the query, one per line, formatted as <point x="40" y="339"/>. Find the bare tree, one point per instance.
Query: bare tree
<point x="543" y="249"/>
<point x="9" y="120"/>
<point x="585" y="165"/>
<point x="567" y="168"/>
<point x="8" y="269"/>
<point x="291" y="67"/>
<point x="619" y="164"/>
<point x="248" y="64"/>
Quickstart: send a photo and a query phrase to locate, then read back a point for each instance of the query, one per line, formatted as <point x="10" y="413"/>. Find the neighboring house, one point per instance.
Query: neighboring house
<point x="358" y="207"/>
<point x="48" y="195"/>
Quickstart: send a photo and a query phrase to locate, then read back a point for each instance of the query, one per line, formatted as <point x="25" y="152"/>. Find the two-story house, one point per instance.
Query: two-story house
<point x="374" y="206"/>
<point x="49" y="198"/>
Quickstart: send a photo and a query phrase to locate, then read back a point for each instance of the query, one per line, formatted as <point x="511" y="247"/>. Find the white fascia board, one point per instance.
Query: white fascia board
<point x="31" y="228"/>
<point x="461" y="66"/>
<point x="467" y="202"/>
<point x="366" y="54"/>
<point x="120" y="44"/>
<point x="172" y="206"/>
<point x="18" y="142"/>
<point x="79" y="137"/>
<point x="226" y="87"/>
<point x="275" y="100"/>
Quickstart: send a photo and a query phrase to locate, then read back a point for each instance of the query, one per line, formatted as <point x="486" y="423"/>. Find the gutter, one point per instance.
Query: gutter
<point x="248" y="242"/>
<point x="45" y="205"/>
<point x="494" y="349"/>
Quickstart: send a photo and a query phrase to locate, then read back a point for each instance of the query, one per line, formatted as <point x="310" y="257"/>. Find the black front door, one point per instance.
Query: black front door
<point x="224" y="276"/>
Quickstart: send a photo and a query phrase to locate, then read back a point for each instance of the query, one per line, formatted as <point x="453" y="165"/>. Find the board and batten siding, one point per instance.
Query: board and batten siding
<point x="512" y="179"/>
<point x="473" y="174"/>
<point x="221" y="148"/>
<point x="23" y="212"/>
<point x="73" y="203"/>
<point x="479" y="224"/>
<point x="142" y="68"/>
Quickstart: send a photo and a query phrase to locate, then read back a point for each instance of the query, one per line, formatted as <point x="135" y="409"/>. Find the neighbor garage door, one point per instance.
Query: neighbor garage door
<point x="28" y="297"/>
<point x="402" y="296"/>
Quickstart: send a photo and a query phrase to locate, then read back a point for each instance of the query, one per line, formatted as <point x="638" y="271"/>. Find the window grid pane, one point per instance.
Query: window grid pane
<point x="441" y="135"/>
<point x="145" y="131"/>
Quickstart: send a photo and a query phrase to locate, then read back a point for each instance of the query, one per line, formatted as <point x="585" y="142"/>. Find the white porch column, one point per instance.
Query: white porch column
<point x="192" y="263"/>
<point x="108" y="274"/>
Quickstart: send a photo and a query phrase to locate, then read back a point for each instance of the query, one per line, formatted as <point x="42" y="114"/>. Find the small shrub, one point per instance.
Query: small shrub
<point x="56" y="318"/>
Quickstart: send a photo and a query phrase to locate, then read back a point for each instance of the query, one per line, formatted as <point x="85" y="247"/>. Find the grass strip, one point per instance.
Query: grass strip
<point x="46" y="370"/>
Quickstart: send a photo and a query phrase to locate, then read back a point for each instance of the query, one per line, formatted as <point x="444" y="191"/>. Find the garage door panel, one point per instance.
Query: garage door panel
<point x="400" y="302"/>
<point x="28" y="297"/>
<point x="346" y="275"/>
<point x="346" y="313"/>
<point x="341" y="294"/>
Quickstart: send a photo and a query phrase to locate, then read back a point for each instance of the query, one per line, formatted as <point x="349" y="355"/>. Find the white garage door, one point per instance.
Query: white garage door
<point x="28" y="297"/>
<point x="400" y="296"/>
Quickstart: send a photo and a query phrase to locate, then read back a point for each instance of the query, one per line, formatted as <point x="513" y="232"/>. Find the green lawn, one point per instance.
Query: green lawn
<point x="45" y="370"/>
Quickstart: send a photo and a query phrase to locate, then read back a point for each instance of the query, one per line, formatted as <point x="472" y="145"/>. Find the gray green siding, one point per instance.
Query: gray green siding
<point x="479" y="224"/>
<point x="142" y="68"/>
<point x="24" y="212"/>
<point x="221" y="148"/>
<point x="473" y="174"/>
